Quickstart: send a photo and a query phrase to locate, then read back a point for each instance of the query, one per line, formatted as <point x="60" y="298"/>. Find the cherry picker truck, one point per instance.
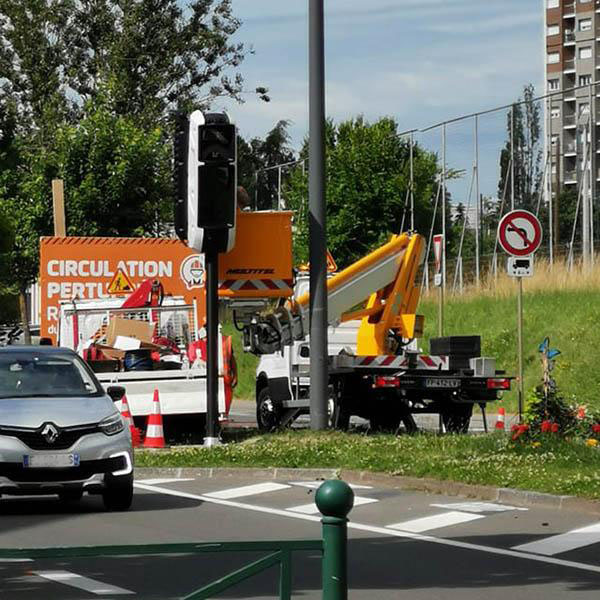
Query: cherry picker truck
<point x="376" y="370"/>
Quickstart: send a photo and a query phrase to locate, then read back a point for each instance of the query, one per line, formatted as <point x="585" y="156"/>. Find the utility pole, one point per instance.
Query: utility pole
<point x="478" y="200"/>
<point x="319" y="377"/>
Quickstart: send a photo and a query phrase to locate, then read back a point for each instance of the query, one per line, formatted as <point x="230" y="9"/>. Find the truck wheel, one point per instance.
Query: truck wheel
<point x="339" y="416"/>
<point x="268" y="414"/>
<point x="457" y="417"/>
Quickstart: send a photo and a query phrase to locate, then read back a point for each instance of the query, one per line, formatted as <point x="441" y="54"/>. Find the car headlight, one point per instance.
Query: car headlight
<point x="112" y="425"/>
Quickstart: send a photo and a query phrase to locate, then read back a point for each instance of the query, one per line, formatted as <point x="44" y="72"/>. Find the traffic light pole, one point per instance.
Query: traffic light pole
<point x="211" y="258"/>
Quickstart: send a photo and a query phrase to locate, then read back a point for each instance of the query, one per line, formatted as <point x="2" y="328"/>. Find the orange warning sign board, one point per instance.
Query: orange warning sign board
<point x="120" y="284"/>
<point x="331" y="265"/>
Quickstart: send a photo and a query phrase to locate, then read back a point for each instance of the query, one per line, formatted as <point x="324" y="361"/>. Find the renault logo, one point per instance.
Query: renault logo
<point x="50" y="432"/>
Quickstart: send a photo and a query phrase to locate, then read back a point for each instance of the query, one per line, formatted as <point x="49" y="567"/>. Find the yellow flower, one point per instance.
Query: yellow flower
<point x="536" y="444"/>
<point x="591" y="442"/>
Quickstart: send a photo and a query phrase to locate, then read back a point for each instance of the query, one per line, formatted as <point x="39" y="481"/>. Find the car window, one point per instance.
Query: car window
<point x="23" y="375"/>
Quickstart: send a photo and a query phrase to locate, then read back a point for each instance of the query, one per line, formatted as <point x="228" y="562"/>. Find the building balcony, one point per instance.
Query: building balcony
<point x="570" y="149"/>
<point x="569" y="121"/>
<point x="569" y="65"/>
<point x="570" y="177"/>
<point x="568" y="10"/>
<point x="569" y="38"/>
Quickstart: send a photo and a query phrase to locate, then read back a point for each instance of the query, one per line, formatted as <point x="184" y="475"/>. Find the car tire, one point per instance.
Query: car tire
<point x="70" y="495"/>
<point x="118" y="494"/>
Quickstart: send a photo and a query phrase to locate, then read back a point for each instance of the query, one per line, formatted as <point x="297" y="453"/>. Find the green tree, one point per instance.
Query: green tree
<point x="524" y="129"/>
<point x="367" y="182"/>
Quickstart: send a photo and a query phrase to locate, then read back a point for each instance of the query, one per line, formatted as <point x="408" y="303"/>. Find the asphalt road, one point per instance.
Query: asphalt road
<point x="243" y="414"/>
<point x="402" y="544"/>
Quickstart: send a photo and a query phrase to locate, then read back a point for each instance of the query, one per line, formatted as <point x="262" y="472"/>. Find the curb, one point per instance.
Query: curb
<point x="434" y="486"/>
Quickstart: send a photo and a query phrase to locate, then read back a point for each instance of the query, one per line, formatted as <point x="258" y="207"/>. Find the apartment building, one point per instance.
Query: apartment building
<point x="572" y="67"/>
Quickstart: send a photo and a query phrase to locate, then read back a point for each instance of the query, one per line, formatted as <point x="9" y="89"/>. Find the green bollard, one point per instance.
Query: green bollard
<point x="335" y="500"/>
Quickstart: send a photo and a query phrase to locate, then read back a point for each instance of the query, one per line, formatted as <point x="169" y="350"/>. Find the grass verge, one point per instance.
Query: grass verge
<point x="556" y="467"/>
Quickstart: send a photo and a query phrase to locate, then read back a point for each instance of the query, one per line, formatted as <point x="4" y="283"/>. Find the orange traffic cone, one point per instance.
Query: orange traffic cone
<point x="500" y="419"/>
<point x="128" y="418"/>
<point x="155" y="437"/>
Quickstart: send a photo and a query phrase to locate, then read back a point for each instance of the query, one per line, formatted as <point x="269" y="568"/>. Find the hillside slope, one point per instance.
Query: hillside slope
<point x="570" y="318"/>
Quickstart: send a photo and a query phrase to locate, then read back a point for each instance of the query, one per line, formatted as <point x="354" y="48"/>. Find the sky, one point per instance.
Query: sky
<point x="419" y="61"/>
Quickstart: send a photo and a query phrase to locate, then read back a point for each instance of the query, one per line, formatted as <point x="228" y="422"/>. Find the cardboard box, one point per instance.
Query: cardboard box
<point x="131" y="328"/>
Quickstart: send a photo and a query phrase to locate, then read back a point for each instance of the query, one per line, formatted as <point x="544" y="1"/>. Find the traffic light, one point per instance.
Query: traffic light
<point x="211" y="182"/>
<point x="180" y="174"/>
<point x="217" y="173"/>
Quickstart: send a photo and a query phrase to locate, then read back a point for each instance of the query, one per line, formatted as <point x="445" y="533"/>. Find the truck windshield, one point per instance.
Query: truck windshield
<point x="30" y="375"/>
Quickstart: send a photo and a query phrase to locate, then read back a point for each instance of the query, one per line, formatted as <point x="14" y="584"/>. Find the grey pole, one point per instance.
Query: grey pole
<point x="550" y="201"/>
<point x="317" y="215"/>
<point x="443" y="286"/>
<point x="512" y="157"/>
<point x="592" y="169"/>
<point x="585" y="215"/>
<point x="279" y="207"/>
<point x="412" y="189"/>
<point x="478" y="200"/>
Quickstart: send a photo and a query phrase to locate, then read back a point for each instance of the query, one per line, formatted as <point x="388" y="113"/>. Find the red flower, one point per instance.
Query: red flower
<point x="554" y="427"/>
<point x="514" y="428"/>
<point x="546" y="426"/>
<point x="596" y="428"/>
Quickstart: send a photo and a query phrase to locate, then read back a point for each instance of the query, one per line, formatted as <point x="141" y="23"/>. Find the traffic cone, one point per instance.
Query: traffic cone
<point x="500" y="419"/>
<point x="128" y="418"/>
<point x="155" y="437"/>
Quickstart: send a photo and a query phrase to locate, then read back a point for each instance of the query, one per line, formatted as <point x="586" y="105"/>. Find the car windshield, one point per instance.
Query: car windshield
<point x="27" y="375"/>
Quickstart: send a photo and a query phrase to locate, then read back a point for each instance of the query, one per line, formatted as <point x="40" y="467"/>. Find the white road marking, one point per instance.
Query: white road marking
<point x="576" y="538"/>
<point x="380" y="530"/>
<point x="435" y="521"/>
<point x="313" y="485"/>
<point x="311" y="509"/>
<point x="83" y="583"/>
<point x="477" y="507"/>
<point x="162" y="481"/>
<point x="248" y="490"/>
<point x="15" y="560"/>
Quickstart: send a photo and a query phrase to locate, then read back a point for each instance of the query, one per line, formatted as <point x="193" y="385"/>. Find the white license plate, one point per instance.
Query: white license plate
<point x="51" y="460"/>
<point x="442" y="383"/>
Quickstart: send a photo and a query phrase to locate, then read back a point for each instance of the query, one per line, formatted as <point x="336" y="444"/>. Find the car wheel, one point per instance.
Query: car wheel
<point x="70" y="495"/>
<point x="118" y="494"/>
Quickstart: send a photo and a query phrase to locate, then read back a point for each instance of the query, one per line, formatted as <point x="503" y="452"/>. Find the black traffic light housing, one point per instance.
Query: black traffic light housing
<point x="217" y="185"/>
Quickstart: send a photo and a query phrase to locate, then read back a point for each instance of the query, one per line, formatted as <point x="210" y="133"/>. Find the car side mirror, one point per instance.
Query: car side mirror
<point x="116" y="392"/>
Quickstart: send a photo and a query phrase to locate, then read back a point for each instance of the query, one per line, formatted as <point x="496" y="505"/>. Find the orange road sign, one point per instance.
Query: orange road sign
<point x="120" y="283"/>
<point x="331" y="264"/>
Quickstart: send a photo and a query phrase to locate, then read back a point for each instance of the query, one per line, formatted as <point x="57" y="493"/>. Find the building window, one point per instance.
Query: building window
<point x="585" y="52"/>
<point x="585" y="25"/>
<point x="585" y="79"/>
<point x="553" y="58"/>
<point x="553" y="29"/>
<point x="553" y="3"/>
<point x="555" y="112"/>
<point x="553" y="84"/>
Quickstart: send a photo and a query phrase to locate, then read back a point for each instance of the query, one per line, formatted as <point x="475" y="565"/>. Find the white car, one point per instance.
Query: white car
<point x="60" y="432"/>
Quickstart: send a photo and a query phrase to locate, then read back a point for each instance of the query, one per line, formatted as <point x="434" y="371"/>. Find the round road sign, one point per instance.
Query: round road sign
<point x="520" y="233"/>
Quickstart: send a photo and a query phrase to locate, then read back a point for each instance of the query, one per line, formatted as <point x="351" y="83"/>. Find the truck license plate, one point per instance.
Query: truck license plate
<point x="51" y="460"/>
<point x="442" y="383"/>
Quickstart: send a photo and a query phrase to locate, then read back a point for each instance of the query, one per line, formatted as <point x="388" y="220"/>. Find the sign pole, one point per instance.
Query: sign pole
<point x="520" y="343"/>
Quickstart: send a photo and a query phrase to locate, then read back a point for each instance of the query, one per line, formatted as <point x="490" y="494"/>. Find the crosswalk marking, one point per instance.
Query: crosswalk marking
<point x="564" y="542"/>
<point x="477" y="507"/>
<point x="83" y="583"/>
<point x="247" y="490"/>
<point x="313" y="485"/>
<point x="311" y="509"/>
<point x="162" y="481"/>
<point x="435" y="521"/>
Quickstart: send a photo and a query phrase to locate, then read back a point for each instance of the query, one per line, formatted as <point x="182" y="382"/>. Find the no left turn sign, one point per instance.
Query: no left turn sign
<point x="520" y="233"/>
